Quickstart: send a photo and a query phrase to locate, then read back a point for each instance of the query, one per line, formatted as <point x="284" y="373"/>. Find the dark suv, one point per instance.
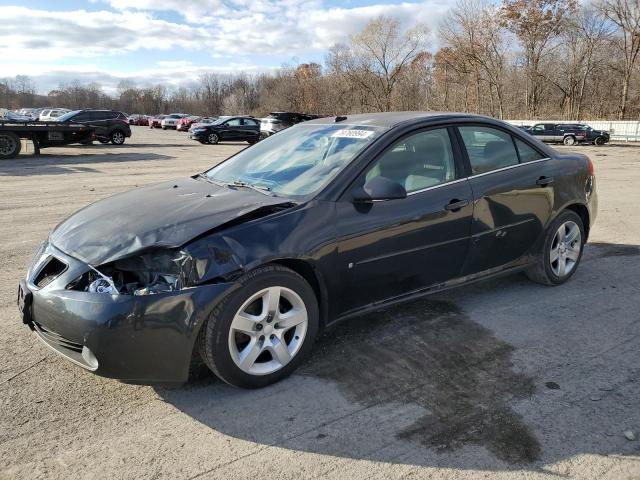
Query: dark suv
<point x="597" y="137"/>
<point x="277" y="121"/>
<point x="109" y="125"/>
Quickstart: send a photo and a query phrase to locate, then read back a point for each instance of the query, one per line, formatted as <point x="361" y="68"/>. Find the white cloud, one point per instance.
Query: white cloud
<point x="167" y="73"/>
<point x="59" y="44"/>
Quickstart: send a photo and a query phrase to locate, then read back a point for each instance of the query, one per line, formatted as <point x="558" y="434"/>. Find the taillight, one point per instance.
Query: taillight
<point x="590" y="168"/>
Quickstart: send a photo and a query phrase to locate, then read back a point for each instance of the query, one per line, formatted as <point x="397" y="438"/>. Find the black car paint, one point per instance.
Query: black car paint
<point x="554" y="133"/>
<point x="103" y="122"/>
<point x="226" y="132"/>
<point x="357" y="257"/>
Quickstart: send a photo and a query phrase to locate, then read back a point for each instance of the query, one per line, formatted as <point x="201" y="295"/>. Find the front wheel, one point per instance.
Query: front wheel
<point x="117" y="137"/>
<point x="213" y="138"/>
<point x="261" y="332"/>
<point x="561" y="252"/>
<point x="569" y="140"/>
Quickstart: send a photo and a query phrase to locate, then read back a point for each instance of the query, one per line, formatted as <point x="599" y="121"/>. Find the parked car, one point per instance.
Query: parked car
<point x="185" y="123"/>
<point x="109" y="125"/>
<point x="203" y="121"/>
<point x="156" y="121"/>
<point x="171" y="121"/>
<point x="235" y="129"/>
<point x="52" y="115"/>
<point x="557" y="133"/>
<point x="596" y="137"/>
<point x="277" y="121"/>
<point x="245" y="263"/>
<point x="12" y="116"/>
<point x="143" y="121"/>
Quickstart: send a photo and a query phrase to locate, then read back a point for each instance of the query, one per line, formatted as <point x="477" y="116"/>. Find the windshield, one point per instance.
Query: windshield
<point x="67" y="116"/>
<point x="297" y="161"/>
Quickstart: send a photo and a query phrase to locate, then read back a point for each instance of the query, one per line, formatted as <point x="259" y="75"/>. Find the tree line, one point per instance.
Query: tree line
<point x="561" y="59"/>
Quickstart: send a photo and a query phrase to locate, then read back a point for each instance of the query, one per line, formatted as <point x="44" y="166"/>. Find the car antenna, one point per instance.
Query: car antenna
<point x="339" y="119"/>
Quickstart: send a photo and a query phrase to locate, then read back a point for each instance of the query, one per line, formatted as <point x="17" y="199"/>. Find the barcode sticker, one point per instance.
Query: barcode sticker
<point x="352" y="133"/>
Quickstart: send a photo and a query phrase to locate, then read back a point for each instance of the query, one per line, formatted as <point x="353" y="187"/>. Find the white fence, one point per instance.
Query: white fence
<point x="628" y="131"/>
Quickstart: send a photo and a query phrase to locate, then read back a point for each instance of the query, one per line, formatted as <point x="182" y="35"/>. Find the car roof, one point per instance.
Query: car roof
<point x="392" y="119"/>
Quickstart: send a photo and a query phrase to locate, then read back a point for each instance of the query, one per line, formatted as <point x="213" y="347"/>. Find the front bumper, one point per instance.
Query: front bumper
<point x="138" y="339"/>
<point x="200" y="136"/>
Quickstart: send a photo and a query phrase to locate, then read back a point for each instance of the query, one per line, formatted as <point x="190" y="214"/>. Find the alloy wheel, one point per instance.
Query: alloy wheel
<point x="565" y="249"/>
<point x="118" y="138"/>
<point x="268" y="330"/>
<point x="213" y="138"/>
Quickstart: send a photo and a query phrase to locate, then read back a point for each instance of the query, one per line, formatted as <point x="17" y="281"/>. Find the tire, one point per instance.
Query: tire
<point x="599" y="141"/>
<point x="164" y="128"/>
<point x="548" y="272"/>
<point x="223" y="347"/>
<point x="117" y="137"/>
<point x="10" y="145"/>
<point x="104" y="141"/>
<point x="569" y="140"/>
<point x="213" y="138"/>
<point x="252" y="142"/>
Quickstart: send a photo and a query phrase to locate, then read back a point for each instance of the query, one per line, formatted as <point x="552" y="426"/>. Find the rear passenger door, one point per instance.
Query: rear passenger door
<point x="513" y="196"/>
<point x="250" y="129"/>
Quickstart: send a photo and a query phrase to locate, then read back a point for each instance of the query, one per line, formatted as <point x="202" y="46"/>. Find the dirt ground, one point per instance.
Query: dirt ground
<point x="503" y="379"/>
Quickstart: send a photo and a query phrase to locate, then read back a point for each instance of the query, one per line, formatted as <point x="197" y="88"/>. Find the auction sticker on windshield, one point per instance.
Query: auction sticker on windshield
<point x="352" y="133"/>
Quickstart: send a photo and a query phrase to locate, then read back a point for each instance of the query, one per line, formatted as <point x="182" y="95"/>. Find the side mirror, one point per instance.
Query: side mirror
<point x="379" y="189"/>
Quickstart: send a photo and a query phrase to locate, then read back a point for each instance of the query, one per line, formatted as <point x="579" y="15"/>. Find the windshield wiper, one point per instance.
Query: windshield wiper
<point x="258" y="188"/>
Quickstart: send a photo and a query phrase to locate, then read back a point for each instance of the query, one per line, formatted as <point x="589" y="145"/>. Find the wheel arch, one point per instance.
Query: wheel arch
<point x="314" y="278"/>
<point x="583" y="212"/>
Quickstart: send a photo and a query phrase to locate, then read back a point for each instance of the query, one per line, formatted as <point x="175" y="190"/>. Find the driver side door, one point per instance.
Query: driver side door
<point x="392" y="248"/>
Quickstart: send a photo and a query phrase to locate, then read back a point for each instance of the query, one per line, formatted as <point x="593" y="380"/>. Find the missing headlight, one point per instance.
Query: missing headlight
<point x="150" y="273"/>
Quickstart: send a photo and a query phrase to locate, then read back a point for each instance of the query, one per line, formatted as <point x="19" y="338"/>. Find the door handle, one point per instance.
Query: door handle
<point x="544" y="181"/>
<point x="455" y="205"/>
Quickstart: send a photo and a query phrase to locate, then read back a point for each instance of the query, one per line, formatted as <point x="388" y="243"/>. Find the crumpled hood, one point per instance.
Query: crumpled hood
<point x="165" y="215"/>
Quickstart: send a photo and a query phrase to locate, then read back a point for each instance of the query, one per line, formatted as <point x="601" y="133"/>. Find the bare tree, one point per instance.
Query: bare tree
<point x="536" y="23"/>
<point x="626" y="15"/>
<point x="375" y="58"/>
<point x="473" y="30"/>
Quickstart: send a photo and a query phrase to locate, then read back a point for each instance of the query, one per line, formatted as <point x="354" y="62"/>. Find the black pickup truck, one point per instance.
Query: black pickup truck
<point x="42" y="134"/>
<point x="567" y="133"/>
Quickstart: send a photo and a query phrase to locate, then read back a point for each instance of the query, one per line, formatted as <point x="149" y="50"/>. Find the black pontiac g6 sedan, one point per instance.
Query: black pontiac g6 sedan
<point x="228" y="129"/>
<point x="245" y="263"/>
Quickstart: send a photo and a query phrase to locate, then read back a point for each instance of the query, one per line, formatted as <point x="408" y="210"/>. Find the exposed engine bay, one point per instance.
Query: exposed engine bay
<point x="150" y="273"/>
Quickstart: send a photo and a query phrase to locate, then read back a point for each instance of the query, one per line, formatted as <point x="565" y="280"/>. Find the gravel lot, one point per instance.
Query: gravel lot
<point x="503" y="379"/>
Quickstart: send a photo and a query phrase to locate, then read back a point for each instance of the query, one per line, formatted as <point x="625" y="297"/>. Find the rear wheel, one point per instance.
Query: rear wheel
<point x="598" y="141"/>
<point x="561" y="252"/>
<point x="10" y="145"/>
<point x="117" y="137"/>
<point x="104" y="141"/>
<point x="260" y="333"/>
<point x="569" y="140"/>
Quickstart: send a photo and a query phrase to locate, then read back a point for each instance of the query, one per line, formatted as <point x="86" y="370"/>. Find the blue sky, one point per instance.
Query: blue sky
<point x="174" y="41"/>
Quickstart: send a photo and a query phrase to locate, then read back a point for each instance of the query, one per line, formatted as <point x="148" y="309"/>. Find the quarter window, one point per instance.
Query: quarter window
<point x="527" y="153"/>
<point x="418" y="161"/>
<point x="488" y="148"/>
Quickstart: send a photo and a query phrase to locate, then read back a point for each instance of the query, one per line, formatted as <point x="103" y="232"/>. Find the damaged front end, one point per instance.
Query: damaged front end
<point x="207" y="261"/>
<point x="135" y="318"/>
<point x="150" y="273"/>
